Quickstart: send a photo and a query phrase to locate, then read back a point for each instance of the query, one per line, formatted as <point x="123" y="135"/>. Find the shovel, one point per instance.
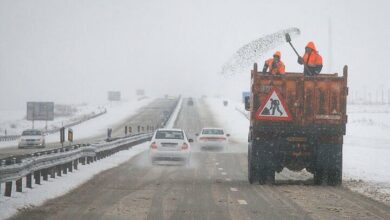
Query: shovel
<point x="288" y="39"/>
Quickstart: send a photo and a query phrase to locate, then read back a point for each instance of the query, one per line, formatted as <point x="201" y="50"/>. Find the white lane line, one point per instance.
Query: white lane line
<point x="242" y="202"/>
<point x="223" y="173"/>
<point x="228" y="179"/>
<point x="220" y="168"/>
<point x="216" y="163"/>
<point x="233" y="189"/>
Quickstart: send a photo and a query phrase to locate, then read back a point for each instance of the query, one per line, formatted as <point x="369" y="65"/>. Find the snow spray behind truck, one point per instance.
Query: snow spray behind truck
<point x="296" y="122"/>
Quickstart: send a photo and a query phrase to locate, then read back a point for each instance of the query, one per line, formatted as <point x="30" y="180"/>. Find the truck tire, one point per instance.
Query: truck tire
<point x="318" y="176"/>
<point x="328" y="168"/>
<point x="334" y="171"/>
<point x="253" y="172"/>
<point x="266" y="161"/>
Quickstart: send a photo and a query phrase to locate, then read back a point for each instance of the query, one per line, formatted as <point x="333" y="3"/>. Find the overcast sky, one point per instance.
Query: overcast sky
<point x="77" y="50"/>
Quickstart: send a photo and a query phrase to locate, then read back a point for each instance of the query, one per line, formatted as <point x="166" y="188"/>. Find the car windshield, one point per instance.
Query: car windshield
<point x="170" y="135"/>
<point x="212" y="131"/>
<point x="31" y="133"/>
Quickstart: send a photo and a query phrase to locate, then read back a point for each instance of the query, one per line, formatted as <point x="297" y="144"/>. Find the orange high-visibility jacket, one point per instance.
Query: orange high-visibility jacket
<point x="279" y="69"/>
<point x="313" y="59"/>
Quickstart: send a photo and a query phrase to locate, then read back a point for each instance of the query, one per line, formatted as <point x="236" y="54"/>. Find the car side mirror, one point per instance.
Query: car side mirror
<point x="190" y="140"/>
<point x="247" y="103"/>
<point x="227" y="135"/>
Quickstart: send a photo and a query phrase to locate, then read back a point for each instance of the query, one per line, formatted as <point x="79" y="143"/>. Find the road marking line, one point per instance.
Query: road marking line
<point x="220" y="168"/>
<point x="228" y="179"/>
<point x="216" y="163"/>
<point x="242" y="202"/>
<point x="223" y="173"/>
<point x="233" y="189"/>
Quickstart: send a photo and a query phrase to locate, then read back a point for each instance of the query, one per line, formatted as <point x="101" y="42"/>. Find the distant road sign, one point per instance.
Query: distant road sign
<point x="245" y="94"/>
<point x="40" y="111"/>
<point x="140" y="92"/>
<point x="114" y="96"/>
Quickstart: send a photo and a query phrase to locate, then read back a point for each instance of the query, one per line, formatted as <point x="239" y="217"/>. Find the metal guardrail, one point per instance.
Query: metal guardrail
<point x="9" y="137"/>
<point x="60" y="161"/>
<point x="15" y="137"/>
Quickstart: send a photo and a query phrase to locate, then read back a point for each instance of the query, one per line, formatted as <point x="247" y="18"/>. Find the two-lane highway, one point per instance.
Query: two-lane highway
<point x="214" y="186"/>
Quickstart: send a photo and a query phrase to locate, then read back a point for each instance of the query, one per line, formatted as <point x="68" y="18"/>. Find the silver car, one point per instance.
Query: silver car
<point x="32" y="138"/>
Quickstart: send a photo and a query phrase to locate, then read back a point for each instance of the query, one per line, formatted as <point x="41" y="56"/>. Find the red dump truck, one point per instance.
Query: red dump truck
<point x="296" y="122"/>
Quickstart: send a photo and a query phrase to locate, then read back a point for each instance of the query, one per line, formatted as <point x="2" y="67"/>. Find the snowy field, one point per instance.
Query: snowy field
<point x="366" y="149"/>
<point x="14" y="120"/>
<point x="116" y="113"/>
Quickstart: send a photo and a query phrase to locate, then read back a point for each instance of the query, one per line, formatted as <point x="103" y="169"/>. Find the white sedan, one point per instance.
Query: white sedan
<point x="212" y="138"/>
<point x="170" y="144"/>
<point x="32" y="138"/>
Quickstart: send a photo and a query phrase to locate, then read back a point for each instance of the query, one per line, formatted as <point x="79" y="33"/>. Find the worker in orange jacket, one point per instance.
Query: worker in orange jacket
<point x="275" y="65"/>
<point x="312" y="60"/>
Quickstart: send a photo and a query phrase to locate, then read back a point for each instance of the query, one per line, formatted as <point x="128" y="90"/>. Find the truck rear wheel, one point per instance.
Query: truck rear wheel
<point x="328" y="164"/>
<point x="334" y="177"/>
<point x="253" y="171"/>
<point x="334" y="172"/>
<point x="266" y="162"/>
<point x="318" y="176"/>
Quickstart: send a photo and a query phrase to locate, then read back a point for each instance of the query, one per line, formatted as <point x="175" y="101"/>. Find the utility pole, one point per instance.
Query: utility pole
<point x="383" y="96"/>
<point x="388" y="96"/>
<point x="330" y="45"/>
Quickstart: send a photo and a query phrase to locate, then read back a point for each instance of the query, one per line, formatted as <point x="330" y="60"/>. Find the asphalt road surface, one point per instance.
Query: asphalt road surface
<point x="213" y="186"/>
<point x="149" y="115"/>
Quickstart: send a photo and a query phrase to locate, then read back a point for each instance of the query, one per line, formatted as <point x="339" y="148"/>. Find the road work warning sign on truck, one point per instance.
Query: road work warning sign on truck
<point x="274" y="108"/>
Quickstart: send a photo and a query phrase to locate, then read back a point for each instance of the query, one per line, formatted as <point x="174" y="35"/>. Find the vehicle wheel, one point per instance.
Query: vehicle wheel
<point x="253" y="172"/>
<point x="335" y="168"/>
<point x="318" y="176"/>
<point x="328" y="164"/>
<point x="266" y="161"/>
<point x="334" y="177"/>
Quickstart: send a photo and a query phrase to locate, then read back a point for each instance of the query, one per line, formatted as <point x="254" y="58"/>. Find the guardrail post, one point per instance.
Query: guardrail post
<point x="8" y="189"/>
<point x="44" y="174"/>
<point x="75" y="163"/>
<point x="37" y="177"/>
<point x="59" y="170"/>
<point x="70" y="164"/>
<point x="29" y="180"/>
<point x="52" y="172"/>
<point x="19" y="184"/>
<point x="64" y="168"/>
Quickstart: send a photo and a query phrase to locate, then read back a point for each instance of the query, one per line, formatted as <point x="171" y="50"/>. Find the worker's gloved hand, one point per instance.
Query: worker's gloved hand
<point x="300" y="60"/>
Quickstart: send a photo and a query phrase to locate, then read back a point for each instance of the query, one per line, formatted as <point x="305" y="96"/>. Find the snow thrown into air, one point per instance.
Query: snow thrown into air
<point x="250" y="53"/>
